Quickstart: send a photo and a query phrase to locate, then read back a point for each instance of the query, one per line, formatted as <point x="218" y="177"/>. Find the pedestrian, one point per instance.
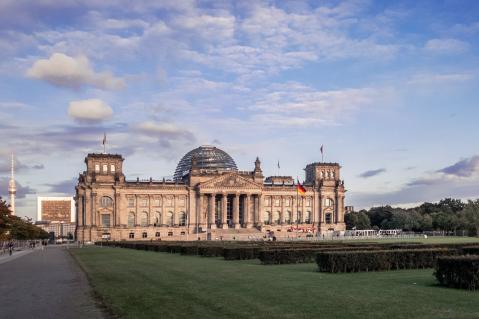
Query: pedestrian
<point x="10" y="248"/>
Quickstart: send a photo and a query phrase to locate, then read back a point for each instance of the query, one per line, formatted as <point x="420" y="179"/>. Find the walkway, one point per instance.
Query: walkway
<point x="44" y="284"/>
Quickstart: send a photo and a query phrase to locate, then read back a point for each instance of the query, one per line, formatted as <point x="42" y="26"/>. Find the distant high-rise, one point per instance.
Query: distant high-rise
<point x="12" y="189"/>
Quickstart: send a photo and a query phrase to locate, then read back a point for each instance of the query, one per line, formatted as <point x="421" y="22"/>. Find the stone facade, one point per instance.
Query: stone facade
<point x="206" y="203"/>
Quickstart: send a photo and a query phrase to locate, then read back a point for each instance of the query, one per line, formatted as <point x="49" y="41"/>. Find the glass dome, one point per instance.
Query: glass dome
<point x="207" y="157"/>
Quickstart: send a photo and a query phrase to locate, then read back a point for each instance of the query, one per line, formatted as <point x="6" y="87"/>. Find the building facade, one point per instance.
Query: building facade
<point x="209" y="198"/>
<point x="56" y="209"/>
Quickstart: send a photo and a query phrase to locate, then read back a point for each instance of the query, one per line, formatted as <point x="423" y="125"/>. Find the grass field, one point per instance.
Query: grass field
<point x="142" y="284"/>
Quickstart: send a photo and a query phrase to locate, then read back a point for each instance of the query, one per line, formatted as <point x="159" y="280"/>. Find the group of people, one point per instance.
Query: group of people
<point x="10" y="246"/>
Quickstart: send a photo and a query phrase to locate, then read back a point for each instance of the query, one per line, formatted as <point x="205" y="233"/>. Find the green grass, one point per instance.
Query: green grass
<point x="429" y="240"/>
<point x="142" y="284"/>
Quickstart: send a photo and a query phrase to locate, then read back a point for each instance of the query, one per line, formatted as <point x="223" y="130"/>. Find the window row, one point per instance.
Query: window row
<point x="275" y="218"/>
<point x="155" y="202"/>
<point x="157" y="234"/>
<point x="104" y="168"/>
<point x="157" y="219"/>
<point x="288" y="201"/>
<point x="327" y="174"/>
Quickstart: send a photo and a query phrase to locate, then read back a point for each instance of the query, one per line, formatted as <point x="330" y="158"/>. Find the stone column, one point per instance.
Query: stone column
<point x="80" y="210"/>
<point x="282" y="210"/>
<point x="260" y="210"/>
<point x="136" y="210"/>
<point x="201" y="221"/>
<point x="117" y="209"/>
<point x="247" y="213"/>
<point x="303" y="213"/>
<point x="236" y="199"/>
<point x="93" y="209"/>
<point x="211" y="219"/>
<point x="150" y="213"/>
<point x="175" y="215"/>
<point x="224" y="221"/>
<point x="294" y="209"/>
<point x="163" y="213"/>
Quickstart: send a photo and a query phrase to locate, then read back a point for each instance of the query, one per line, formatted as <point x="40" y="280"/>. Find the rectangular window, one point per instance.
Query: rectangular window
<point x="144" y="202"/>
<point x="112" y="168"/>
<point x="144" y="235"/>
<point x="97" y="168"/>
<point x="131" y="235"/>
<point x="170" y="233"/>
<point x="328" y="218"/>
<point x="267" y="201"/>
<point x="131" y="202"/>
<point x="169" y="202"/>
<point x="157" y="234"/>
<point x="287" y="202"/>
<point x="105" y="220"/>
<point x="181" y="202"/>
<point x="105" y="168"/>
<point x="277" y="202"/>
<point x="308" y="202"/>
<point x="157" y="202"/>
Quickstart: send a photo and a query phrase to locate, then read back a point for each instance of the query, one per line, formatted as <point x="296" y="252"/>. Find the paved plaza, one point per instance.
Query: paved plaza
<point x="44" y="284"/>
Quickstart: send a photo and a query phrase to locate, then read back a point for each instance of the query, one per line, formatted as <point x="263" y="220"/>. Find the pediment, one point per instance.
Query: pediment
<point x="229" y="181"/>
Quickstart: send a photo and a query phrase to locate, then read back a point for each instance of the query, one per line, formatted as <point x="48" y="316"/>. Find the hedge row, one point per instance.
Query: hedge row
<point x="296" y="256"/>
<point x="355" y="261"/>
<point x="472" y="250"/>
<point x="458" y="271"/>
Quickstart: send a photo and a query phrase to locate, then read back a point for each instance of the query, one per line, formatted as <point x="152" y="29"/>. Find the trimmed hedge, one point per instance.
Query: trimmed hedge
<point x="472" y="250"/>
<point x="306" y="255"/>
<point x="458" y="271"/>
<point x="356" y="261"/>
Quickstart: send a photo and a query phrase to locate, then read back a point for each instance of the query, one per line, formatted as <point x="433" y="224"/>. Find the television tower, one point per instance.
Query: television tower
<point x="12" y="189"/>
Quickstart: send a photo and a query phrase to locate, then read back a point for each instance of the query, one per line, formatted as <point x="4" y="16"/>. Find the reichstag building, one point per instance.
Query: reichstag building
<point x="208" y="198"/>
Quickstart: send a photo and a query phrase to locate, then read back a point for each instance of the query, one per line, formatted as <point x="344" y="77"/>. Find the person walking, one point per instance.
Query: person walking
<point x="10" y="248"/>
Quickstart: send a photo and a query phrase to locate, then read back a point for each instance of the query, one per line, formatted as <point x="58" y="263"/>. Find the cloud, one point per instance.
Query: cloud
<point x="92" y="110"/>
<point x="446" y="45"/>
<point x="66" y="187"/>
<point x="72" y="72"/>
<point x="445" y="78"/>
<point x="464" y="168"/>
<point x="164" y="131"/>
<point x="5" y="164"/>
<point x="372" y="173"/>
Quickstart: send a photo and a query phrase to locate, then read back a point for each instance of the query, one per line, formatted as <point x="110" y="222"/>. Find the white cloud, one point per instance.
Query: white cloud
<point x="436" y="78"/>
<point x="92" y="110"/>
<point x="294" y="103"/>
<point x="164" y="130"/>
<point x="446" y="45"/>
<point x="65" y="71"/>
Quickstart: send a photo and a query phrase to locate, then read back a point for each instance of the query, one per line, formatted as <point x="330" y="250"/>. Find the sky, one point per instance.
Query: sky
<point x="390" y="88"/>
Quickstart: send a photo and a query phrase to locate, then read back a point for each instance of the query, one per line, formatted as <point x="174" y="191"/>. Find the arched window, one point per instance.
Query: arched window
<point x="287" y="217"/>
<point x="267" y="218"/>
<point x="308" y="218"/>
<point x="169" y="218"/>
<point x="182" y="219"/>
<point x="157" y="221"/>
<point x="144" y="219"/>
<point x="329" y="218"/>
<point x="131" y="219"/>
<point x="328" y="202"/>
<point x="277" y="218"/>
<point x="106" y="201"/>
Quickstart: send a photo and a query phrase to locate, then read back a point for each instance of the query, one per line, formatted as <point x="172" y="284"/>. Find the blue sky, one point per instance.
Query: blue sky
<point x="388" y="87"/>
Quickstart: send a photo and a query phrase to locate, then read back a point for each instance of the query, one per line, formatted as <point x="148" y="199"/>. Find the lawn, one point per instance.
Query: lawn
<point x="142" y="284"/>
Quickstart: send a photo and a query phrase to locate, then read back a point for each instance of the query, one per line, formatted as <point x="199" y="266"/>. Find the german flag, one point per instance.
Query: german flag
<point x="300" y="188"/>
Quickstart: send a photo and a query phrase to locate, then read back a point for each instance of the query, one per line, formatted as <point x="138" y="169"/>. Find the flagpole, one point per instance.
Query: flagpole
<point x="297" y="207"/>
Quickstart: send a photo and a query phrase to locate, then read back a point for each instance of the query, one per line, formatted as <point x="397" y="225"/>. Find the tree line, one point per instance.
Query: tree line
<point x="449" y="215"/>
<point x="14" y="227"/>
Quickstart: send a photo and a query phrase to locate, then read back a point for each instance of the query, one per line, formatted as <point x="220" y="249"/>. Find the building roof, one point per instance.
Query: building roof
<point x="206" y="157"/>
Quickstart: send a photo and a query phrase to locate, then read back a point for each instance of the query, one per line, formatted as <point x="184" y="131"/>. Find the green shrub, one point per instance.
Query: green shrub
<point x="471" y="250"/>
<point x="241" y="253"/>
<point x="355" y="261"/>
<point x="458" y="271"/>
<point x="300" y="255"/>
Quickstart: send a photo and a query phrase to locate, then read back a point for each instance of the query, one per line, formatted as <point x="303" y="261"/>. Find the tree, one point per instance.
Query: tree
<point x="357" y="220"/>
<point x="470" y="217"/>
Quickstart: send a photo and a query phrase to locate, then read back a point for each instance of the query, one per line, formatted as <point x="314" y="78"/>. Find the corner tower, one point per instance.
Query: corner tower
<point x="326" y="179"/>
